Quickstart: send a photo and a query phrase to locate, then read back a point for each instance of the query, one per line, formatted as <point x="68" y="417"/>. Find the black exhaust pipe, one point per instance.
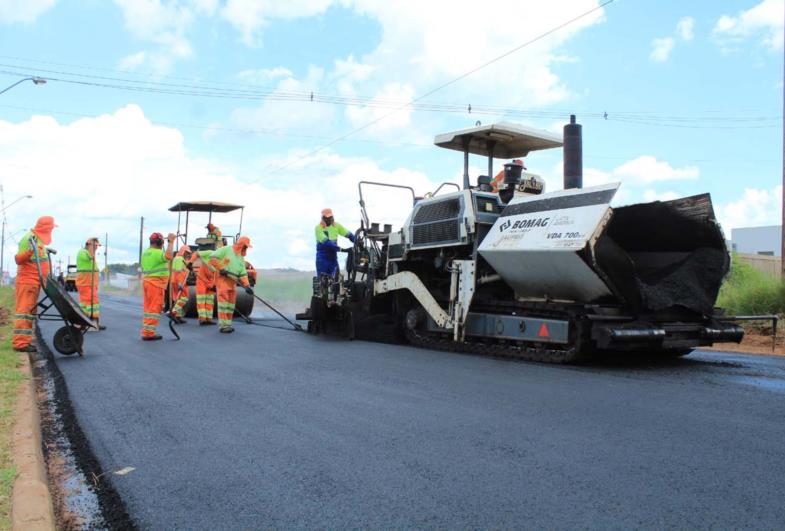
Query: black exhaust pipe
<point x="573" y="155"/>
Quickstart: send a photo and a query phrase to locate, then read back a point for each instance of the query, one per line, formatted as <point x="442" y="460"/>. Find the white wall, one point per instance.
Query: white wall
<point x="754" y="240"/>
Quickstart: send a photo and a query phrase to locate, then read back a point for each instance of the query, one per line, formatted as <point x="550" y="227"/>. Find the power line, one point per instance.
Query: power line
<point x="289" y="133"/>
<point x="254" y="91"/>
<point x="444" y="85"/>
<point x="179" y="89"/>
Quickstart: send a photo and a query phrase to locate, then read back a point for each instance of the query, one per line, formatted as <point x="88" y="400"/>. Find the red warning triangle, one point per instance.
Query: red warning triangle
<point x="543" y="331"/>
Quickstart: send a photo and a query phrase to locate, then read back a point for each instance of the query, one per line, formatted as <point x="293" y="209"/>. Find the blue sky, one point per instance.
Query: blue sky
<point x="693" y="92"/>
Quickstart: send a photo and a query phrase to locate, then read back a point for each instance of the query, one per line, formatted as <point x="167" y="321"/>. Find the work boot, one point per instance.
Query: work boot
<point x="26" y="348"/>
<point x="227" y="329"/>
<point x="206" y="323"/>
<point x="156" y="337"/>
<point x="100" y="326"/>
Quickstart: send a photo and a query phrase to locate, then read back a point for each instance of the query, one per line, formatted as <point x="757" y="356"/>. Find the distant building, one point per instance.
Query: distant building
<point x="757" y="240"/>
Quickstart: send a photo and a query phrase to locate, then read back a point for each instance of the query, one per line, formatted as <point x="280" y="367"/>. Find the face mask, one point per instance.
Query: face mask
<point x="328" y="221"/>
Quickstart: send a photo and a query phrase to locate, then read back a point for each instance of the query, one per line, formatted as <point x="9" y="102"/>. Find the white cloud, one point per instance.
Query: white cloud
<point x="287" y="115"/>
<point x="164" y="24"/>
<point x="397" y="117"/>
<point x="647" y="169"/>
<point x="133" y="61"/>
<point x="685" y="28"/>
<point x="653" y="195"/>
<point x="262" y="76"/>
<point x="94" y="184"/>
<point x="250" y="16"/>
<point x="765" y="21"/>
<point x="414" y="47"/>
<point x="25" y="11"/>
<point x="661" y="49"/>
<point x="755" y="207"/>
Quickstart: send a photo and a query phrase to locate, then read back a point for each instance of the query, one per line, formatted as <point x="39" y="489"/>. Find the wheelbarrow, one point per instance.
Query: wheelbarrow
<point x="69" y="338"/>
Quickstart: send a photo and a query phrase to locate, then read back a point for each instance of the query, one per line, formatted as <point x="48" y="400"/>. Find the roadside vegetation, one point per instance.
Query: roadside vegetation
<point x="11" y="377"/>
<point x="748" y="291"/>
<point x="288" y="291"/>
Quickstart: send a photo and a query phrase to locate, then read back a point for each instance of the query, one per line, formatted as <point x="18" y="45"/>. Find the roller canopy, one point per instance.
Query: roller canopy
<point x="508" y="140"/>
<point x="204" y="206"/>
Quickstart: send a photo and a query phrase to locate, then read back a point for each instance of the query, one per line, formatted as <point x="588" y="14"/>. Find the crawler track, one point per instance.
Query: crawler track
<point x="538" y="353"/>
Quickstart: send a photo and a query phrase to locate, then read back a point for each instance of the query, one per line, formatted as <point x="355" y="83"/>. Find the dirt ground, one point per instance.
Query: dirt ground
<point x="755" y="341"/>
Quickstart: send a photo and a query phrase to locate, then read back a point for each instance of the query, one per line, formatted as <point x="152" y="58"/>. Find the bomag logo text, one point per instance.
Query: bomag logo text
<point x="528" y="223"/>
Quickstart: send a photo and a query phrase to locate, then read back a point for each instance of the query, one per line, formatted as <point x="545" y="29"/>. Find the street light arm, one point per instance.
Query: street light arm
<point x="34" y="79"/>
<point x="15" y="202"/>
<point x="15" y="84"/>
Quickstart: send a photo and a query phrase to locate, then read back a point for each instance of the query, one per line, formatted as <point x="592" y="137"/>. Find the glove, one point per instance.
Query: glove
<point x="249" y="290"/>
<point x="223" y="272"/>
<point x="350" y="236"/>
<point x="23" y="257"/>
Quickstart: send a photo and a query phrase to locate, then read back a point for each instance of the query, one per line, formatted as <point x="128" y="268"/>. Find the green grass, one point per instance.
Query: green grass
<point x="285" y="289"/>
<point x="10" y="378"/>
<point x="748" y="291"/>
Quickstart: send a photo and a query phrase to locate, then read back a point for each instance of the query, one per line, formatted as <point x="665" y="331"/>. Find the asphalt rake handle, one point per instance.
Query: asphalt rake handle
<point x="248" y="320"/>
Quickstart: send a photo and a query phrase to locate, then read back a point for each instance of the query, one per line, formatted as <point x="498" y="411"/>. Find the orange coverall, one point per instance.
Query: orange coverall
<point x="230" y="259"/>
<point x="179" y="290"/>
<point x="28" y="283"/>
<point x="87" y="281"/>
<point x="205" y="285"/>
<point x="156" y="278"/>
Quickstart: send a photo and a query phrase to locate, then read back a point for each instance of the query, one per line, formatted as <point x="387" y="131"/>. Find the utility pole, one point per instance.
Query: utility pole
<point x="782" y="205"/>
<point x="141" y="239"/>
<point x="2" y="254"/>
<point x="106" y="258"/>
<point x="2" y="239"/>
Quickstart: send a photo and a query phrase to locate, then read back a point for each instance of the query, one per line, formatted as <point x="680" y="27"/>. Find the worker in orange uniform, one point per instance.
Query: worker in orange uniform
<point x="28" y="283"/>
<point x="214" y="232"/>
<point x="155" y="270"/>
<point x="87" y="280"/>
<point x="179" y="288"/>
<point x="230" y="264"/>
<point x="499" y="179"/>
<point x="205" y="285"/>
<point x="251" y="270"/>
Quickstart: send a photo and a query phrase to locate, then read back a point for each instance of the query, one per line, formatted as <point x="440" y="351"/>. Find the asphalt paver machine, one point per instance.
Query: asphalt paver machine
<point x="501" y="268"/>
<point x="245" y="302"/>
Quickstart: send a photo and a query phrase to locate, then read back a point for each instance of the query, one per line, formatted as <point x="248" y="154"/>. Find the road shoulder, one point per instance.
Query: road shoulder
<point x="31" y="499"/>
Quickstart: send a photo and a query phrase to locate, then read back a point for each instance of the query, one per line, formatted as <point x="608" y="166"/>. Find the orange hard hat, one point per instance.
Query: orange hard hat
<point x="244" y="240"/>
<point x="43" y="229"/>
<point x="327" y="212"/>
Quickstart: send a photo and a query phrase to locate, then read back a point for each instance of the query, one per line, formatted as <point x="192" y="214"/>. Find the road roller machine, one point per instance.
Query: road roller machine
<point x="245" y="302"/>
<point x="500" y="267"/>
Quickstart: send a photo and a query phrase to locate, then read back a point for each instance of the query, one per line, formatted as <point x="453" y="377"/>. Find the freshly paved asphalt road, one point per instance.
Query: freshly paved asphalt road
<point x="276" y="429"/>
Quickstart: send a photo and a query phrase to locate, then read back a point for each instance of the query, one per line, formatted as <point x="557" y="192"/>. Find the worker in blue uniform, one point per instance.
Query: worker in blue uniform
<point x="327" y="232"/>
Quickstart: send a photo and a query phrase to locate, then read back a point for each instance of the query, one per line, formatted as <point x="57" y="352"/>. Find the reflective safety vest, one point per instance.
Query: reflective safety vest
<point x="27" y="271"/>
<point x="86" y="269"/>
<point x="154" y="263"/>
<point x="230" y="261"/>
<point x="178" y="264"/>
<point x="331" y="232"/>
<point x="85" y="263"/>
